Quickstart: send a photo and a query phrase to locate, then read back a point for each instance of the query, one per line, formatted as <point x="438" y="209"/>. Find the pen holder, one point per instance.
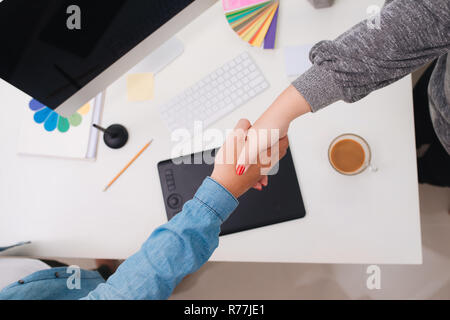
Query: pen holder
<point x="115" y="136"/>
<point x="319" y="4"/>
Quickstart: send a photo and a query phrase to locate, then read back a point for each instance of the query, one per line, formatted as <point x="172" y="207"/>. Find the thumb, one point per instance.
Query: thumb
<point x="250" y="152"/>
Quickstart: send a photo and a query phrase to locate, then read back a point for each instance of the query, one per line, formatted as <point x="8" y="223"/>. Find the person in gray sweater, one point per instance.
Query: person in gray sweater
<point x="412" y="34"/>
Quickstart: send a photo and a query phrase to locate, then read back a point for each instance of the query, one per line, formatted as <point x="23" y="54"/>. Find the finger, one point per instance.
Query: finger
<point x="243" y="124"/>
<point x="249" y="154"/>
<point x="274" y="155"/>
<point x="235" y="141"/>
<point x="284" y="144"/>
<point x="264" y="181"/>
<point x="241" y="132"/>
<point x="277" y="152"/>
<point x="258" y="186"/>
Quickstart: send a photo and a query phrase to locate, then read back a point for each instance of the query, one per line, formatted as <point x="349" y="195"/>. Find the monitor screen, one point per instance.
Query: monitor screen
<point x="51" y="50"/>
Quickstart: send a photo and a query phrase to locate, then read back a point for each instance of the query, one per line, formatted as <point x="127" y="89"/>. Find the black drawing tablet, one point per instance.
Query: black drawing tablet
<point x="281" y="201"/>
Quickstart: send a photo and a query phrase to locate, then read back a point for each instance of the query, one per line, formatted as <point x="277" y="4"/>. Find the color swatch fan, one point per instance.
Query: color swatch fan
<point x="46" y="133"/>
<point x="255" y="21"/>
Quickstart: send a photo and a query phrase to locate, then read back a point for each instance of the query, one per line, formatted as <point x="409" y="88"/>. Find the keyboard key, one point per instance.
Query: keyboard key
<point x="216" y="95"/>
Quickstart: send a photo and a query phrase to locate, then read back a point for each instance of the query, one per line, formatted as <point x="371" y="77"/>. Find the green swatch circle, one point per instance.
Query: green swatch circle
<point x="63" y="125"/>
<point x="75" y="119"/>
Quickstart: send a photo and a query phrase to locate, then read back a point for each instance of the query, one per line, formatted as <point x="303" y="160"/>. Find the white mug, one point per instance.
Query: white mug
<point x="367" y="154"/>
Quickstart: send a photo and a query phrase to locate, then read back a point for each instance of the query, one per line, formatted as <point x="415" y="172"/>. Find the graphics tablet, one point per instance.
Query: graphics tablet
<point x="281" y="201"/>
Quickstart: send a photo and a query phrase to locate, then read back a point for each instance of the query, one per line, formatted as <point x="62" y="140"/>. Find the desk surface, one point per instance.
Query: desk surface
<point x="370" y="218"/>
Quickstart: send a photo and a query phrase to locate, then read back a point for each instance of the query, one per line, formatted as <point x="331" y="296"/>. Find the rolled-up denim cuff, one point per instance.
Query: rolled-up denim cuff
<point x="216" y="198"/>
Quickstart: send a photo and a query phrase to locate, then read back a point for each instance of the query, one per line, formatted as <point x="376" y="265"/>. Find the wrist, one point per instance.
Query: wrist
<point x="225" y="184"/>
<point x="291" y="104"/>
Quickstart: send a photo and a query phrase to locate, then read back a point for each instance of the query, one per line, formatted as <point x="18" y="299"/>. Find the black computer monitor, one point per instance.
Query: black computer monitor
<point x="63" y="57"/>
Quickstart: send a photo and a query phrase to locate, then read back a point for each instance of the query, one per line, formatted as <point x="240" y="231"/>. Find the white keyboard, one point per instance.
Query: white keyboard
<point x="216" y="95"/>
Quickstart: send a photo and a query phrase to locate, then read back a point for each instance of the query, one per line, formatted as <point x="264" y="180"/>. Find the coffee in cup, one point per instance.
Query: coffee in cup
<point x="349" y="154"/>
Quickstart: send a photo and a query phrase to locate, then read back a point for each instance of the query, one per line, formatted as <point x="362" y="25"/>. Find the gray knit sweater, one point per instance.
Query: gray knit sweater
<point x="363" y="59"/>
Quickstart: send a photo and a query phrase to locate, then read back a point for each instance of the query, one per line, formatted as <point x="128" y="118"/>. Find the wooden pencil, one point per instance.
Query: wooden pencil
<point x="128" y="165"/>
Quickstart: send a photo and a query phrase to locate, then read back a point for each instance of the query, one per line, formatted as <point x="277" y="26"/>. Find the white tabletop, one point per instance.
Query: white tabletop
<point x="371" y="218"/>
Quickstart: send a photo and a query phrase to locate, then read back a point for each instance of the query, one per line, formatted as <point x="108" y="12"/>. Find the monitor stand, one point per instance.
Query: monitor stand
<point x="156" y="61"/>
<point x="116" y="136"/>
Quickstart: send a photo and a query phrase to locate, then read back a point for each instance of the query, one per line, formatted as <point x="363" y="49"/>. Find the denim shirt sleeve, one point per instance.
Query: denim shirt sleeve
<point x="174" y="250"/>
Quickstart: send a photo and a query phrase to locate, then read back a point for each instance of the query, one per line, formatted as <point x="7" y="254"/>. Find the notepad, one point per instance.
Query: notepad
<point x="297" y="60"/>
<point x="45" y="133"/>
<point x="140" y="87"/>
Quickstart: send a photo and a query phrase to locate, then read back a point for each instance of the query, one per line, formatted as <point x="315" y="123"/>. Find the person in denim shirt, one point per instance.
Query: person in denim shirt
<point x="172" y="252"/>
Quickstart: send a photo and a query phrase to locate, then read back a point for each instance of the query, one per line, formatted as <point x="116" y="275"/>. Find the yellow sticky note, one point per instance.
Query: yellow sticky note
<point x="140" y="86"/>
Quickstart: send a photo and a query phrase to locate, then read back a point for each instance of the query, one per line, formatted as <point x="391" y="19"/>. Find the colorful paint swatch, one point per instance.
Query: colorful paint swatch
<point x="269" y="41"/>
<point x="258" y="38"/>
<point x="256" y="25"/>
<point x="44" y="133"/>
<point x="237" y="15"/>
<point x="233" y="5"/>
<point x="140" y="87"/>
<point x="52" y="121"/>
<point x="255" y="21"/>
<point x="243" y="22"/>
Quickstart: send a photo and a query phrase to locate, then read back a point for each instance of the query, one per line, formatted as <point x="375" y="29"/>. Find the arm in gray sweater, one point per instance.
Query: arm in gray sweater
<point x="413" y="32"/>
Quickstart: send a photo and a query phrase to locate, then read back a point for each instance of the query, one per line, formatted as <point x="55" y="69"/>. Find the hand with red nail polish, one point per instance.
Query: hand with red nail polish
<point x="239" y="179"/>
<point x="272" y="126"/>
<point x="240" y="170"/>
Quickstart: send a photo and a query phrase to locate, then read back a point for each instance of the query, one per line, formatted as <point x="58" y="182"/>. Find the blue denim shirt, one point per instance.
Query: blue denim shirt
<point x="173" y="251"/>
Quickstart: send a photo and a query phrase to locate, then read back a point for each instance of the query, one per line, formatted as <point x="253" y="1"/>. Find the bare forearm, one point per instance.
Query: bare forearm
<point x="292" y="104"/>
<point x="287" y="107"/>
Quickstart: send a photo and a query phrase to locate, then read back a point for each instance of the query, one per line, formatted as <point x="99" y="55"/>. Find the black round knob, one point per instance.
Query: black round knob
<point x="175" y="201"/>
<point x="116" y="136"/>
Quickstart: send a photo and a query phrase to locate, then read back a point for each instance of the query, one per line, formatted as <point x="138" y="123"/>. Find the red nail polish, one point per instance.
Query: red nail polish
<point x="240" y="170"/>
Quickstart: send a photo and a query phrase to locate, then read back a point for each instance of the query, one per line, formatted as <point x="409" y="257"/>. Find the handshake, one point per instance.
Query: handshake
<point x="247" y="157"/>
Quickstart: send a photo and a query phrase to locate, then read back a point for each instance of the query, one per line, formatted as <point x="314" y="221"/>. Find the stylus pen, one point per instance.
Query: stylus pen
<point x="15" y="245"/>
<point x="128" y="165"/>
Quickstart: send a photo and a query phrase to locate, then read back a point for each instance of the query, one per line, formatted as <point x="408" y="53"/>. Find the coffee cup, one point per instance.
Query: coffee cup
<point x="350" y="154"/>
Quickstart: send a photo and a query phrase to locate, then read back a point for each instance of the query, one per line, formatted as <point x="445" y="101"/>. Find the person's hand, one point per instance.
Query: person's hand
<point x="272" y="126"/>
<point x="226" y="159"/>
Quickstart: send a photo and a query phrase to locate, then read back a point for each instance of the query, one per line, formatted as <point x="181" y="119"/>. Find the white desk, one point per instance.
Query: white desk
<point x="370" y="218"/>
